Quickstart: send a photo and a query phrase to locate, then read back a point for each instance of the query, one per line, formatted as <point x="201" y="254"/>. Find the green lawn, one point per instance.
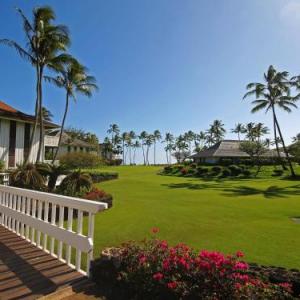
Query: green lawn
<point x="250" y="215"/>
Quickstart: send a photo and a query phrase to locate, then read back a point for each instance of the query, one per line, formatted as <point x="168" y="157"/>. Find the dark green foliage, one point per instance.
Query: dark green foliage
<point x="202" y="171"/>
<point x="216" y="170"/>
<point x="2" y="165"/>
<point x="278" y="172"/>
<point x="246" y="173"/>
<point x="79" y="160"/>
<point x="167" y="169"/>
<point x="28" y="177"/>
<point x="99" y="176"/>
<point x="226" y="173"/>
<point x="235" y="170"/>
<point x="75" y="184"/>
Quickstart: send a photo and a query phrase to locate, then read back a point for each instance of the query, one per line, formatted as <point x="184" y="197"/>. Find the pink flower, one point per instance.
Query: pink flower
<point x="142" y="259"/>
<point x="155" y="230"/>
<point x="164" y="244"/>
<point x="241" y="266"/>
<point x="172" y="285"/>
<point x="287" y="286"/>
<point x="158" y="276"/>
<point x="166" y="264"/>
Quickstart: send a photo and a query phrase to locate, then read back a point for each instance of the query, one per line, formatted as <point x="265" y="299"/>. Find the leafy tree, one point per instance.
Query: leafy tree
<point x="73" y="79"/>
<point x="136" y="145"/>
<point x="189" y="138"/>
<point x="47" y="115"/>
<point x="169" y="140"/>
<point x="44" y="42"/>
<point x="149" y="141"/>
<point x="273" y="93"/>
<point x="142" y="137"/>
<point x="130" y="138"/>
<point x="124" y="139"/>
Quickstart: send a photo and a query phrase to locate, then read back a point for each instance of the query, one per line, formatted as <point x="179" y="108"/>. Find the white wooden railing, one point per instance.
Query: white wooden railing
<point x="32" y="215"/>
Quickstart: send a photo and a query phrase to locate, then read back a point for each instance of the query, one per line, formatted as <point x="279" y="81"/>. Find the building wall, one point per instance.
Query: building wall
<point x="35" y="147"/>
<point x="4" y="140"/>
<point x="19" y="154"/>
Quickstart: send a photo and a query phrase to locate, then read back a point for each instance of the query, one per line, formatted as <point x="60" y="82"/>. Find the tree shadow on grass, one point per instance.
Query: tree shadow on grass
<point x="272" y="191"/>
<point x="194" y="186"/>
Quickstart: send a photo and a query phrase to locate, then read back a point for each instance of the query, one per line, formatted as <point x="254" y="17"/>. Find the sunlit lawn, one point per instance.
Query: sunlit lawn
<point x="249" y="215"/>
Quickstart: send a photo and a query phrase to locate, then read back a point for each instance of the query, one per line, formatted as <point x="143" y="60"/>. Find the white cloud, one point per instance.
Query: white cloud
<point x="290" y="14"/>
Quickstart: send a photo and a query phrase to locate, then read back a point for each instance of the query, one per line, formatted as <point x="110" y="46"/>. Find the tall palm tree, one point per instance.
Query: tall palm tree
<point x="190" y="137"/>
<point x="131" y="137"/>
<point x="44" y="41"/>
<point x="124" y="139"/>
<point x="273" y="93"/>
<point x="169" y="139"/>
<point x="296" y="138"/>
<point x="156" y="138"/>
<point x="113" y="130"/>
<point x="238" y="129"/>
<point x="73" y="79"/>
<point x="250" y="131"/>
<point x="218" y="130"/>
<point x="142" y="137"/>
<point x="148" y="142"/>
<point x="136" y="145"/>
<point x="260" y="130"/>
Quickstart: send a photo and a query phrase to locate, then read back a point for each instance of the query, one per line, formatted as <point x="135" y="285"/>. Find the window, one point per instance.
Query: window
<point x="12" y="144"/>
<point x="81" y="149"/>
<point x="69" y="149"/>
<point x="26" y="140"/>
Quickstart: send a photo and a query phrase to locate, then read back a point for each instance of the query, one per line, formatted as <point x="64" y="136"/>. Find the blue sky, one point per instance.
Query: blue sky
<point x="171" y="65"/>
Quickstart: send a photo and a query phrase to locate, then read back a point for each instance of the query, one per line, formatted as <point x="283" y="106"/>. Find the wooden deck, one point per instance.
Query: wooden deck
<point x="27" y="272"/>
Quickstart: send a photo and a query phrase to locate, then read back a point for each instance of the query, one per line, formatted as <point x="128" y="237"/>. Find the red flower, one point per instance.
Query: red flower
<point x="155" y="230"/>
<point x="172" y="285"/>
<point x="241" y="266"/>
<point x="164" y="244"/>
<point x="166" y="264"/>
<point x="240" y="254"/>
<point x="158" y="276"/>
<point x="142" y="259"/>
<point x="286" y="286"/>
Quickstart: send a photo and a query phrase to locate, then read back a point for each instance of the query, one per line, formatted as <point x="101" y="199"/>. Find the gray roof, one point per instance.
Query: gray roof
<point x="229" y="148"/>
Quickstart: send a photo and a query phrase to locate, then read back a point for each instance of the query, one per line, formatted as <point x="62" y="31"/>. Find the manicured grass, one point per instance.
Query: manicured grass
<point x="228" y="215"/>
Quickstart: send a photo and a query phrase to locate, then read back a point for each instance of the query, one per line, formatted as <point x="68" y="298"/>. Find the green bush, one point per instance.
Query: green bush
<point x="75" y="184"/>
<point x="277" y="172"/>
<point x="193" y="165"/>
<point x="2" y="165"/>
<point x="216" y="170"/>
<point x="235" y="170"/>
<point x="80" y="160"/>
<point x="202" y="171"/>
<point x="226" y="172"/>
<point x="168" y="169"/>
<point x="99" y="176"/>
<point x="246" y="173"/>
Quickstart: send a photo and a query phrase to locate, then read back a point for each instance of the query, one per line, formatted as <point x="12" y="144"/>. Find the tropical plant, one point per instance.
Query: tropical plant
<point x="189" y="138"/>
<point x="75" y="184"/>
<point x="273" y="93"/>
<point x="169" y="139"/>
<point x="51" y="172"/>
<point x="114" y="130"/>
<point x="260" y="130"/>
<point x="250" y="131"/>
<point x="156" y="138"/>
<point x="218" y="131"/>
<point x="149" y="141"/>
<point x="73" y="79"/>
<point x="238" y="129"/>
<point x="44" y="41"/>
<point x="296" y="138"/>
<point x="27" y="176"/>
<point x="75" y="160"/>
<point x="136" y="145"/>
<point x="131" y="137"/>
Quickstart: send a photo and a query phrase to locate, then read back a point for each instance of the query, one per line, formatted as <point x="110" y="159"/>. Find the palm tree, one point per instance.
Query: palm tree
<point x="136" y="145"/>
<point x="260" y="130"/>
<point x="250" y="131"/>
<point x="74" y="79"/>
<point x="124" y="139"/>
<point x="143" y="137"/>
<point x="190" y="137"/>
<point x="44" y="41"/>
<point x="131" y="137"/>
<point x="113" y="130"/>
<point x="238" y="129"/>
<point x="156" y="138"/>
<point x="273" y="93"/>
<point x="201" y="137"/>
<point x="169" y="139"/>
<point x="148" y="142"/>
<point x="47" y="115"/>
<point x="218" y="130"/>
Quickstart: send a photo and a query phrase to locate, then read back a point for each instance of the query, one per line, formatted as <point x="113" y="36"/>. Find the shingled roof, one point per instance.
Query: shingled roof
<point x="230" y="149"/>
<point x="9" y="112"/>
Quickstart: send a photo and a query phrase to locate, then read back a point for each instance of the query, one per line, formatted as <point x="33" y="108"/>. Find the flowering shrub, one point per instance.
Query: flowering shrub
<point x="99" y="195"/>
<point x="184" y="171"/>
<point x="153" y="269"/>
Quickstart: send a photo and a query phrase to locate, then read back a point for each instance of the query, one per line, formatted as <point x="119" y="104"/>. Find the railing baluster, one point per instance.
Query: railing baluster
<point x="10" y="206"/>
<point x="53" y="219"/>
<point x="91" y="237"/>
<point x="28" y="214"/>
<point x="14" y="207"/>
<point x="79" y="231"/>
<point x="61" y="225"/>
<point x="40" y="207"/>
<point x="34" y="216"/>
<point x="69" y="228"/>
<point x="46" y="213"/>
<point x="23" y="199"/>
<point x="18" y="209"/>
<point x="1" y="214"/>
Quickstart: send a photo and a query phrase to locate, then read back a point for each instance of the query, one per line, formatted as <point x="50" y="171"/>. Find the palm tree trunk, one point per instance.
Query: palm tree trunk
<point x="284" y="149"/>
<point x="41" y="140"/>
<point x="62" y="127"/>
<point x="275" y="137"/>
<point x="36" y="115"/>
<point x="143" y="153"/>
<point x="154" y="148"/>
<point x="123" y="153"/>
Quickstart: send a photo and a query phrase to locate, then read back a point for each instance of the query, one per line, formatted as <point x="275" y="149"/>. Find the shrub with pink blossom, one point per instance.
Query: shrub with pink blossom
<point x="152" y="269"/>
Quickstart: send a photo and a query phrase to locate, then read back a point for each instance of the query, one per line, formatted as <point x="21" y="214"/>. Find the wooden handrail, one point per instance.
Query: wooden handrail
<point x="36" y="216"/>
